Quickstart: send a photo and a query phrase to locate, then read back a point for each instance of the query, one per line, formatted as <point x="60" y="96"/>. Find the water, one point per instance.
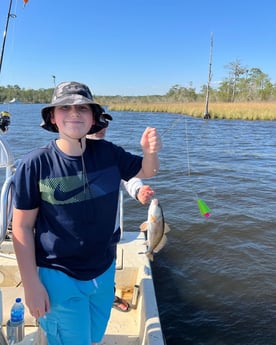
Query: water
<point x="17" y="312"/>
<point x="215" y="280"/>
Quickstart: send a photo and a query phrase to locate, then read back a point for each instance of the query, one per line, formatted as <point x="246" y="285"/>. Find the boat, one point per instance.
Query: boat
<point x="134" y="282"/>
<point x="14" y="101"/>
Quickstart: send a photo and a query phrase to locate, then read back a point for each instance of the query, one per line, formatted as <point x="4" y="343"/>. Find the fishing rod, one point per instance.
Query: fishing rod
<point x="10" y="15"/>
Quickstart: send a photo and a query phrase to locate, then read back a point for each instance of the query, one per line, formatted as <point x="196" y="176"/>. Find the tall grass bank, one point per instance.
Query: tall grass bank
<point x="241" y="111"/>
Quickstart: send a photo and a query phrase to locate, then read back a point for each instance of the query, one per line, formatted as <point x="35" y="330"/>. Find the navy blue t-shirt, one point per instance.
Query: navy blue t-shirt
<point x="77" y="200"/>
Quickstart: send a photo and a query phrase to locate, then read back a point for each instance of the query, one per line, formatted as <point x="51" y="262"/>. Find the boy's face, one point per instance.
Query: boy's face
<point x="73" y="121"/>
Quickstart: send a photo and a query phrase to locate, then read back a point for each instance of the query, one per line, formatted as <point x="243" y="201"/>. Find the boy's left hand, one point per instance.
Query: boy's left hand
<point x="145" y="194"/>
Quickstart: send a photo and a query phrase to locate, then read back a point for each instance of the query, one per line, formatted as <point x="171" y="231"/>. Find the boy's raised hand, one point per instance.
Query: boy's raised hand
<point x="151" y="141"/>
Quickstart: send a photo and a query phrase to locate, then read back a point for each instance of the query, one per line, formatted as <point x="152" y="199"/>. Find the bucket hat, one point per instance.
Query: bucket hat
<point x="74" y="93"/>
<point x="101" y="123"/>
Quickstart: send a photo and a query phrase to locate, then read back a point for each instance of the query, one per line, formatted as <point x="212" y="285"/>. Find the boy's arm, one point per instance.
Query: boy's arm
<point x="36" y="297"/>
<point x="151" y="145"/>
<point x="132" y="185"/>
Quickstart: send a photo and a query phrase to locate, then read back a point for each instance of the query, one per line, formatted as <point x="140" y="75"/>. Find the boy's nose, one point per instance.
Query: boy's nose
<point x="74" y="111"/>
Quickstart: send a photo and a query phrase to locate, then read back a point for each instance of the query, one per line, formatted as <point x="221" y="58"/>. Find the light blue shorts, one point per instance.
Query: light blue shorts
<point x="79" y="310"/>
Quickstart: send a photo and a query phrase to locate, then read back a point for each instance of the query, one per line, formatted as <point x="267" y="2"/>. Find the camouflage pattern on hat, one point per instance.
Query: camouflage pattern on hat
<point x="68" y="93"/>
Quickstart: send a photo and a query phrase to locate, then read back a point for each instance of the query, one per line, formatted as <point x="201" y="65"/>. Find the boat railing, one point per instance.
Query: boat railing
<point x="8" y="163"/>
<point x="121" y="205"/>
<point x="5" y="207"/>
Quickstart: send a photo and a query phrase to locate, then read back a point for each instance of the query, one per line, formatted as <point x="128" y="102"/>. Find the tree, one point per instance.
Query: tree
<point x="260" y="84"/>
<point x="236" y="70"/>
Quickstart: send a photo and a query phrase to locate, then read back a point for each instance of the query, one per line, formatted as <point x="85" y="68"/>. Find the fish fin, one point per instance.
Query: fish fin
<point x="144" y="226"/>
<point x="166" y="228"/>
<point x="152" y="218"/>
<point x="161" y="244"/>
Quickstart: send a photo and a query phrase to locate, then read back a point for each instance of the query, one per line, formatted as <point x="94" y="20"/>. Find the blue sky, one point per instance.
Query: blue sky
<point x="135" y="47"/>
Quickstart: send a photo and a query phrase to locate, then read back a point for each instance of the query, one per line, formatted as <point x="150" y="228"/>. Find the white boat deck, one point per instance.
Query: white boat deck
<point x="139" y="326"/>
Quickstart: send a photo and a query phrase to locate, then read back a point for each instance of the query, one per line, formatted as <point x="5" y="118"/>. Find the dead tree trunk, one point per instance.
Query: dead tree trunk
<point x="206" y="113"/>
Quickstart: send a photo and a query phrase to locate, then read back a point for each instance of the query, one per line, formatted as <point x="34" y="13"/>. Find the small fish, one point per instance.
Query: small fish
<point x="156" y="229"/>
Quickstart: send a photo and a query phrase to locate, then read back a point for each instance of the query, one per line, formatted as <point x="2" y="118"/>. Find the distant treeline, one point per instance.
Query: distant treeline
<point x="241" y="85"/>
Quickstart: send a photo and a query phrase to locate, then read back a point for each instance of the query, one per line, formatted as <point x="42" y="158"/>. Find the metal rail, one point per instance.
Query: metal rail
<point x="7" y="162"/>
<point x="5" y="207"/>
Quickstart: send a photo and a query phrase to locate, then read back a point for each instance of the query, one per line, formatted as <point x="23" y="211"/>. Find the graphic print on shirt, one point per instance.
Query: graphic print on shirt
<point x="74" y="189"/>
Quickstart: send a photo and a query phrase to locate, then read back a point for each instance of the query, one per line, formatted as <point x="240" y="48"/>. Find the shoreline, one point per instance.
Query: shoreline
<point x="265" y="111"/>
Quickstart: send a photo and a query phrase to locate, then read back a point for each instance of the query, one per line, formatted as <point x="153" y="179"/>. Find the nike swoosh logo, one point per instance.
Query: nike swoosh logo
<point x="61" y="195"/>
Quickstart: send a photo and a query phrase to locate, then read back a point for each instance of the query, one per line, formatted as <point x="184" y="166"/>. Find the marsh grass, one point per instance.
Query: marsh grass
<point x="235" y="111"/>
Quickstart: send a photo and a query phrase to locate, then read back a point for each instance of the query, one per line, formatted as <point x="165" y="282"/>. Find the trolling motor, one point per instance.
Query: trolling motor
<point x="5" y="121"/>
<point x="6" y="156"/>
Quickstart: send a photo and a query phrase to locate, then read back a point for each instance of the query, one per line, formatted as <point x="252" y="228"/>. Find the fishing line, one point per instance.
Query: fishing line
<point x="169" y="127"/>
<point x="10" y="15"/>
<point x="187" y="148"/>
<point x="84" y="173"/>
<point x="13" y="28"/>
<point x="203" y="208"/>
<point x="12" y="49"/>
<point x="188" y="158"/>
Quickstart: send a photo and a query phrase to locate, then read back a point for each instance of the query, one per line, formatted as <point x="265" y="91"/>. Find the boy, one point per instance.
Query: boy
<point x="68" y="192"/>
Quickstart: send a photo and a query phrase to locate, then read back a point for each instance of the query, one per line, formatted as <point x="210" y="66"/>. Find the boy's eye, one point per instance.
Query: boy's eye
<point x="83" y="108"/>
